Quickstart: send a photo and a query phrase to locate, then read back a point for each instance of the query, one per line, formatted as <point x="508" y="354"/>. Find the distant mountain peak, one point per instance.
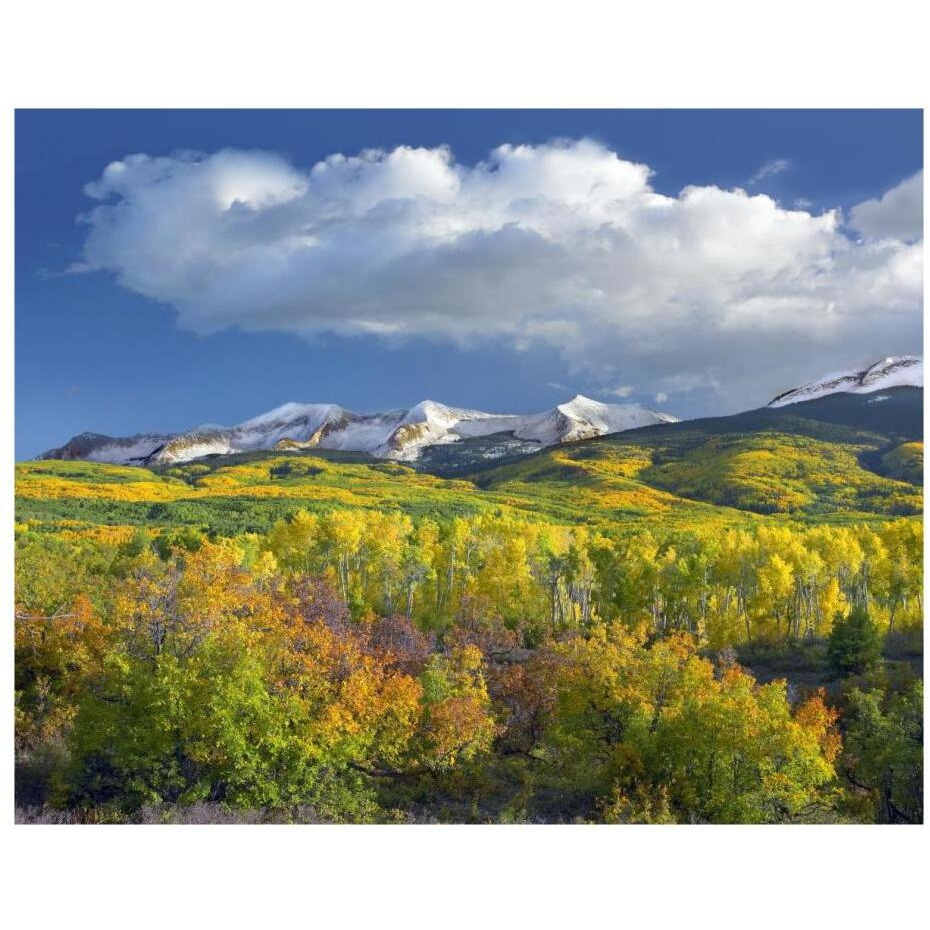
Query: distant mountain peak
<point x="292" y="411"/>
<point x="891" y="371"/>
<point x="395" y="434"/>
<point x="580" y="402"/>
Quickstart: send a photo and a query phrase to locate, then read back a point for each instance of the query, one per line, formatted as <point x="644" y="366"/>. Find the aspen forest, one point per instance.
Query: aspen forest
<point x="360" y="665"/>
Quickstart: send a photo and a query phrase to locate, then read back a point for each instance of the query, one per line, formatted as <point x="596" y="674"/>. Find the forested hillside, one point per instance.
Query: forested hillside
<point x="579" y="635"/>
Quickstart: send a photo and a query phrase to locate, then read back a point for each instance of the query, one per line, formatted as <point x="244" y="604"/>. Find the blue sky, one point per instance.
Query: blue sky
<point x="161" y="354"/>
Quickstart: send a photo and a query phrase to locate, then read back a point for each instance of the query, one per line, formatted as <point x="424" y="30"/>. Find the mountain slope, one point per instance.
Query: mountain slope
<point x="830" y="458"/>
<point x="891" y="372"/>
<point x="402" y="435"/>
<point x="837" y="459"/>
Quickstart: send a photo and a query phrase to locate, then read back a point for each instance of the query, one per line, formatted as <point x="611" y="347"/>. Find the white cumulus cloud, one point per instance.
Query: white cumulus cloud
<point x="899" y="214"/>
<point x="565" y="244"/>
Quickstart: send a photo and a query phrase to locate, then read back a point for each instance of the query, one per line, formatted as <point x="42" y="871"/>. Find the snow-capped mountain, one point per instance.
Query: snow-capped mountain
<point x="893" y="371"/>
<point x="395" y="434"/>
<point x="584" y="418"/>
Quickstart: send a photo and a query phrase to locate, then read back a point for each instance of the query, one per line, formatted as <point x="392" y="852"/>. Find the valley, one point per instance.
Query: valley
<point x="484" y="628"/>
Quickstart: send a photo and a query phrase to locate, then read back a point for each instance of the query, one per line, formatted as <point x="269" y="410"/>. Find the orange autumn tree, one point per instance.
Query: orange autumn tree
<point x="54" y="655"/>
<point x="226" y="683"/>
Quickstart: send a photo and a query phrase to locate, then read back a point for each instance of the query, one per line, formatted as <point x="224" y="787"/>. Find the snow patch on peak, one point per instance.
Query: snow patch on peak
<point x="891" y="371"/>
<point x="394" y="434"/>
<point x="895" y="371"/>
<point x="580" y="404"/>
<point x="291" y="411"/>
<point x="435" y="412"/>
<point x="584" y="418"/>
<point x="429" y="411"/>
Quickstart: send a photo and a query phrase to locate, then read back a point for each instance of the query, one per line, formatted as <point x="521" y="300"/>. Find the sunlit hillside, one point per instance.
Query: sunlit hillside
<point x="592" y="632"/>
<point x="730" y="470"/>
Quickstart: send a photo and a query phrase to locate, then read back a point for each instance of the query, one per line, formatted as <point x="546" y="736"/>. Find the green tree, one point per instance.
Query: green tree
<point x="884" y="752"/>
<point x="854" y="644"/>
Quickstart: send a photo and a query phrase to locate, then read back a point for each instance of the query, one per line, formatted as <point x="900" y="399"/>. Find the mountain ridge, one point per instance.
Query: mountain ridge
<point x="891" y="371"/>
<point x="400" y="434"/>
<point x="429" y="427"/>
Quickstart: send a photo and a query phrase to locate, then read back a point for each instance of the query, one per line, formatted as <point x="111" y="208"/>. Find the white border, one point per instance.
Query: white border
<point x="409" y="53"/>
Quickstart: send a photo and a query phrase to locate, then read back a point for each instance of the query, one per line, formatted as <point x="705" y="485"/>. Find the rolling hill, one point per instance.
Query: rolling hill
<point x="837" y="458"/>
